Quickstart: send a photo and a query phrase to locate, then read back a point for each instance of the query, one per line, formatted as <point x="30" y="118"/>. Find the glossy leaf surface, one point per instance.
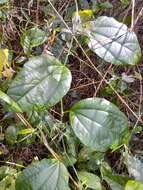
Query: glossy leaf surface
<point x="44" y="175"/>
<point x="98" y="123"/>
<point x="113" y="41"/>
<point x="41" y="83"/>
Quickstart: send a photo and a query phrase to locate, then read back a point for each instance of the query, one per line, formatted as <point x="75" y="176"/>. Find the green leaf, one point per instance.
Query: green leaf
<point x="7" y="178"/>
<point x="90" y="180"/>
<point x="113" y="41"/>
<point x="26" y="131"/>
<point x="98" y="123"/>
<point x="13" y="105"/>
<point x="43" y="175"/>
<point x="5" y="171"/>
<point x="85" y="15"/>
<point x="105" y="5"/>
<point x="125" y="2"/>
<point x="8" y="183"/>
<point x="134" y="185"/>
<point x="32" y="38"/>
<point x="11" y="135"/>
<point x="42" y="83"/>
<point x="116" y="182"/>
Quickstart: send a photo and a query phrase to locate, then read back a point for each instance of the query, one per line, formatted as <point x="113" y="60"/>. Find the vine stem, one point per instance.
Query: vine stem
<point x="54" y="154"/>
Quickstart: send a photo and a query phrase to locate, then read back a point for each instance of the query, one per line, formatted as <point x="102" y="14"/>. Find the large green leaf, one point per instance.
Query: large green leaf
<point x="32" y="38"/>
<point x="113" y="41"/>
<point x="98" y="123"/>
<point x="44" y="175"/>
<point x="42" y="82"/>
<point x="134" y="185"/>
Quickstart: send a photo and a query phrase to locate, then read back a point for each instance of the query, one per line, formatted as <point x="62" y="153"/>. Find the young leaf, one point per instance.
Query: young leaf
<point x="90" y="180"/>
<point x="113" y="41"/>
<point x="32" y="38"/>
<point x="13" y="105"/>
<point x="85" y="15"/>
<point x="42" y="83"/>
<point x="44" y="175"/>
<point x="133" y="185"/>
<point x="25" y="131"/>
<point x="98" y="123"/>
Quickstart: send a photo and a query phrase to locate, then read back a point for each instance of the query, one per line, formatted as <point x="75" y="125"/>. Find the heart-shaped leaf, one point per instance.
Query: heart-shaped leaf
<point x="98" y="123"/>
<point x="44" y="175"/>
<point x="42" y="83"/>
<point x="113" y="41"/>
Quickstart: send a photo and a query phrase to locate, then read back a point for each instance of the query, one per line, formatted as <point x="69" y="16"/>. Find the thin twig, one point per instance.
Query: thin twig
<point x="139" y="15"/>
<point x="104" y="77"/>
<point x="37" y="12"/>
<point x="12" y="163"/>
<point x="140" y="103"/>
<point x="84" y="85"/>
<point x="133" y="15"/>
